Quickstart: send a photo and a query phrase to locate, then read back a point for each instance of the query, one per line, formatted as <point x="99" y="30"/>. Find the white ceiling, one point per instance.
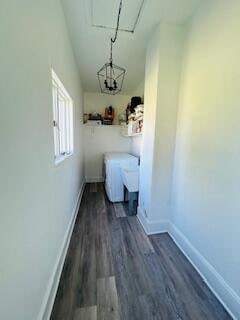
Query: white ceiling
<point x="90" y="23"/>
<point x="129" y="13"/>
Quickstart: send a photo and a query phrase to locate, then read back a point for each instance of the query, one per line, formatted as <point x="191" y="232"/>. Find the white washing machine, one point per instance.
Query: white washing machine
<point x="113" y="162"/>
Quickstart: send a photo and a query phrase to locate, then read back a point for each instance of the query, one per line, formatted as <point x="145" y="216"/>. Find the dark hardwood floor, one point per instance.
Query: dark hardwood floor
<point x="113" y="271"/>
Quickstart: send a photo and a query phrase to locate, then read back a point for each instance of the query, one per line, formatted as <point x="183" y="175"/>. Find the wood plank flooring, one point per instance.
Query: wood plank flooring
<point x="113" y="271"/>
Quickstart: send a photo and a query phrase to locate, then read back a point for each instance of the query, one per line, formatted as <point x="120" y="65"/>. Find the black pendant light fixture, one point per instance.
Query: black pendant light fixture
<point x="111" y="76"/>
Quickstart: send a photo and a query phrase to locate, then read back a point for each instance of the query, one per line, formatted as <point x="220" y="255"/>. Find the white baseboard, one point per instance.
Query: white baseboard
<point x="51" y="291"/>
<point x="151" y="227"/>
<point x="225" y="294"/>
<point x="220" y="288"/>
<point x="94" y="179"/>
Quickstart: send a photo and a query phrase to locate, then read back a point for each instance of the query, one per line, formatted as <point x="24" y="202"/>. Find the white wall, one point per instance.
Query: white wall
<point x="150" y="106"/>
<point x="207" y="175"/>
<point x="97" y="141"/>
<point x="97" y="102"/>
<point x="139" y="90"/>
<point x="37" y="198"/>
<point x="198" y="204"/>
<point x="163" y="68"/>
<point x="171" y="40"/>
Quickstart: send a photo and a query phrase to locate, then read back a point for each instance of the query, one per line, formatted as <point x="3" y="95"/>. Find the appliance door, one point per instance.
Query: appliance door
<point x="113" y="182"/>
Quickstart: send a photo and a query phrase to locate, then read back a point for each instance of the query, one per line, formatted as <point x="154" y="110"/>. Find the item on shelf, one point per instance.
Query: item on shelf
<point x="131" y="117"/>
<point x="128" y="111"/>
<point x="85" y="117"/>
<point x="109" y="115"/>
<point x="139" y="108"/>
<point x="94" y="122"/>
<point x="135" y="118"/>
<point x="132" y="127"/>
<point x="122" y="119"/>
<point x="107" y="122"/>
<point x="95" y="117"/>
<point x="135" y="101"/>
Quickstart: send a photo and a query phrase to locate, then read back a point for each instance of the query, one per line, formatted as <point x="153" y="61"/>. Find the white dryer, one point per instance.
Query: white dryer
<point x="113" y="179"/>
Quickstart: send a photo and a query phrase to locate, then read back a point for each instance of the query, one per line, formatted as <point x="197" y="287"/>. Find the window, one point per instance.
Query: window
<point x="62" y="120"/>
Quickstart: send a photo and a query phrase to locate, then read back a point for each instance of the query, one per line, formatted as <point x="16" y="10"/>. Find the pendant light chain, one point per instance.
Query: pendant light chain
<point x="111" y="76"/>
<point x="117" y="27"/>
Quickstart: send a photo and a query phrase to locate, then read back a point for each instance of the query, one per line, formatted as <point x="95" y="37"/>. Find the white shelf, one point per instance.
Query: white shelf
<point x="133" y="134"/>
<point x="100" y="125"/>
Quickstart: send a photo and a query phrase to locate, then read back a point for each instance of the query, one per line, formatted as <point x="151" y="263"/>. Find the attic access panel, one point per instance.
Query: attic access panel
<point x="104" y="14"/>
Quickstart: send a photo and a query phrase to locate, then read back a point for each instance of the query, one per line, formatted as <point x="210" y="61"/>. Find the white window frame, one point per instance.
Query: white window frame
<point x="62" y="120"/>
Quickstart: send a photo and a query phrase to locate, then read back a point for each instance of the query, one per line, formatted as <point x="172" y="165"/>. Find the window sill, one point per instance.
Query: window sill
<point x="60" y="159"/>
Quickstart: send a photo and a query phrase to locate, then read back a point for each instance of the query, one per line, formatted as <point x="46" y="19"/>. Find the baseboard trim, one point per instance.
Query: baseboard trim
<point x="51" y="291"/>
<point x="152" y="227"/>
<point x="94" y="179"/>
<point x="220" y="288"/>
<point x="224" y="293"/>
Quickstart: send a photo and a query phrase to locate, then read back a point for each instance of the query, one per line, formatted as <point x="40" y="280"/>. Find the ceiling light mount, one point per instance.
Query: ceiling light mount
<point x="111" y="76"/>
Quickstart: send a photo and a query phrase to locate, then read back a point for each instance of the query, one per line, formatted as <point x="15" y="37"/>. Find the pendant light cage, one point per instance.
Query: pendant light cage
<point x="111" y="76"/>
